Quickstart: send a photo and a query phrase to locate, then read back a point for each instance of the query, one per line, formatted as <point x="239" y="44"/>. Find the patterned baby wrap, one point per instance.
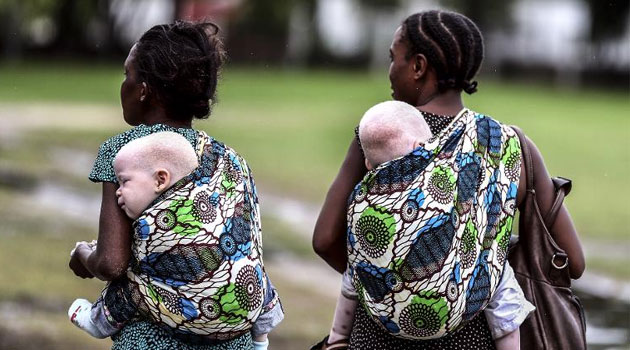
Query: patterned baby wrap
<point x="428" y="232"/>
<point x="197" y="250"/>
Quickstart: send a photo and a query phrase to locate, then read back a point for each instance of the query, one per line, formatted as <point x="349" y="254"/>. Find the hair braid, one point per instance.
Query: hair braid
<point x="457" y="29"/>
<point x="422" y="43"/>
<point x="476" y="55"/>
<point x="452" y="44"/>
<point x="440" y="34"/>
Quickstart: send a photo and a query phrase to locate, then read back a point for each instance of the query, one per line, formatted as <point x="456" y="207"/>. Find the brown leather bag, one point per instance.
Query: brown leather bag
<point x="542" y="270"/>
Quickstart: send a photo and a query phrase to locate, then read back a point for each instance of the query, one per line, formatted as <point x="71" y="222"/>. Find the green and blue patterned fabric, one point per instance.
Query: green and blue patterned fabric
<point x="197" y="252"/>
<point x="428" y="232"/>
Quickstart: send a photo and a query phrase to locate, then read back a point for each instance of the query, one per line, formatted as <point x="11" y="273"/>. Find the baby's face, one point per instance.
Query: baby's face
<point x="137" y="187"/>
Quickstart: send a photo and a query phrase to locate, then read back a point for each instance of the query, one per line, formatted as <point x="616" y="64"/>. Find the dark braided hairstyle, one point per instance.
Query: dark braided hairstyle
<point x="180" y="63"/>
<point x="452" y="44"/>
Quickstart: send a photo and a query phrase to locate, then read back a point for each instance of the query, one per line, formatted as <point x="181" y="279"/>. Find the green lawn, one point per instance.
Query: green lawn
<point x="294" y="127"/>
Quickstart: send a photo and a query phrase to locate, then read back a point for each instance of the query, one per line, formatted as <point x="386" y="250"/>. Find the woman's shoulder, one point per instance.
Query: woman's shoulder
<point x="227" y="152"/>
<point x="485" y="122"/>
<point x="103" y="169"/>
<point x="119" y="140"/>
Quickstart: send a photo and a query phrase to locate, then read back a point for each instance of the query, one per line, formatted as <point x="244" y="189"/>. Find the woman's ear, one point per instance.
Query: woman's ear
<point x="144" y="92"/>
<point x="420" y="65"/>
<point x="162" y="180"/>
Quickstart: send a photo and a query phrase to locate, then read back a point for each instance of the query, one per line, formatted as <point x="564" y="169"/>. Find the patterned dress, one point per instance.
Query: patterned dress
<point x="428" y="234"/>
<point x="140" y="334"/>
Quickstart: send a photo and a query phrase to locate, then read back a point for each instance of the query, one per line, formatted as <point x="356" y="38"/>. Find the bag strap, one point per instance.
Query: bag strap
<point x="562" y="185"/>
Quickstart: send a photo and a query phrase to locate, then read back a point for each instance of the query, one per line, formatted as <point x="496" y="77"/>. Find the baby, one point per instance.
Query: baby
<point x="387" y="131"/>
<point x="145" y="168"/>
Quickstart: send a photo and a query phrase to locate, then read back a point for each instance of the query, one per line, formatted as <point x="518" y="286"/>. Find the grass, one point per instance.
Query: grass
<point x="293" y="127"/>
<point x="36" y="243"/>
<point x="308" y="316"/>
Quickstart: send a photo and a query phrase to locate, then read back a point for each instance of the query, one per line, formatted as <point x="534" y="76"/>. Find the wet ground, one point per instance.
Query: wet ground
<point x="607" y="322"/>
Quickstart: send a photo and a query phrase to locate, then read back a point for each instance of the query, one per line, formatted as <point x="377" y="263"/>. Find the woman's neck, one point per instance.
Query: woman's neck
<point x="447" y="103"/>
<point x="159" y="116"/>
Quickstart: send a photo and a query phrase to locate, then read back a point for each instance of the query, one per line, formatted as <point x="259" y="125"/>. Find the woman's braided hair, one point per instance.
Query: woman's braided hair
<point x="180" y="62"/>
<point x="452" y="44"/>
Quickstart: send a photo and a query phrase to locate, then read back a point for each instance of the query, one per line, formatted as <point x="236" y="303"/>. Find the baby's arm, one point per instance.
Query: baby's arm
<point x="510" y="341"/>
<point x="507" y="310"/>
<point x="110" y="258"/>
<point x="344" y="312"/>
<point x="271" y="315"/>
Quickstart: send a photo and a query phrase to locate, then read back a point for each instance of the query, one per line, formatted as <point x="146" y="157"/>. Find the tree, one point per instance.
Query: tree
<point x="608" y="18"/>
<point x="487" y="14"/>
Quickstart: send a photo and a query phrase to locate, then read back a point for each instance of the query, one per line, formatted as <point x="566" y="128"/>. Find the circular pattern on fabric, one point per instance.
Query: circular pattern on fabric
<point x="169" y="300"/>
<point x="248" y="291"/>
<point x="210" y="308"/>
<point x="166" y="219"/>
<point x="510" y="206"/>
<point x="409" y="210"/>
<point x="360" y="193"/>
<point x="204" y="210"/>
<point x="419" y="320"/>
<point x="452" y="291"/>
<point x="394" y="281"/>
<point x="231" y="172"/>
<point x="513" y="166"/>
<point x="502" y="249"/>
<point x="372" y="234"/>
<point x="228" y="244"/>
<point x="440" y="187"/>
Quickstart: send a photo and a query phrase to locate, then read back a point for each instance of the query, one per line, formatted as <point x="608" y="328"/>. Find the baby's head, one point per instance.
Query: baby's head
<point x="390" y="130"/>
<point x="147" y="166"/>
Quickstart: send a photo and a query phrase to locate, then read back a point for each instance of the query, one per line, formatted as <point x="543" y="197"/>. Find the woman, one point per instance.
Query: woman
<point x="434" y="57"/>
<point x="171" y="77"/>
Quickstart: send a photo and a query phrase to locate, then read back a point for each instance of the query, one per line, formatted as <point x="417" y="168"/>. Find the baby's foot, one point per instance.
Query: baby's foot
<point x="79" y="313"/>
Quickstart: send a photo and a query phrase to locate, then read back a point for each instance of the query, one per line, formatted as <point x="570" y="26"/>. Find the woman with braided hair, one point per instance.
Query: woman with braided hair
<point x="424" y="237"/>
<point x="187" y="273"/>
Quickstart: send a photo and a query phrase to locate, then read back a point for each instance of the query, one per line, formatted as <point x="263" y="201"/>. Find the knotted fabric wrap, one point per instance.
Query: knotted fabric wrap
<point x="197" y="250"/>
<point x="428" y="232"/>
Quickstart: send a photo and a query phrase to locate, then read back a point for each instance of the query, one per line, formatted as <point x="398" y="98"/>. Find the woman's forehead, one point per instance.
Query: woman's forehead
<point x="398" y="37"/>
<point x="131" y="56"/>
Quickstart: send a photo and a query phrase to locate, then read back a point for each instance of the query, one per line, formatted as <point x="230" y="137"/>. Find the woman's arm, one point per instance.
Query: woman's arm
<point x="563" y="230"/>
<point x="329" y="237"/>
<point x="113" y="251"/>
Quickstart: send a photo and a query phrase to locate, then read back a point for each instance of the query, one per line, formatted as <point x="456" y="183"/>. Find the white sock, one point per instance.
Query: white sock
<point x="80" y="314"/>
<point x="261" y="345"/>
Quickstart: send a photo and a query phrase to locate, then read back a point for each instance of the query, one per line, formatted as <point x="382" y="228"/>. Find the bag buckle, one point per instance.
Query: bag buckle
<point x="560" y="255"/>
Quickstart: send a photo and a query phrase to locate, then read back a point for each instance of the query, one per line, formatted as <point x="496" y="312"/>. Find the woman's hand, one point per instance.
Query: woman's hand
<point x="75" y="261"/>
<point x="329" y="236"/>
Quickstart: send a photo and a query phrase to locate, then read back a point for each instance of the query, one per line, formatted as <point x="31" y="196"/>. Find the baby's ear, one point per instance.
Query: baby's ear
<point x="418" y="143"/>
<point x="368" y="166"/>
<point x="162" y="179"/>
